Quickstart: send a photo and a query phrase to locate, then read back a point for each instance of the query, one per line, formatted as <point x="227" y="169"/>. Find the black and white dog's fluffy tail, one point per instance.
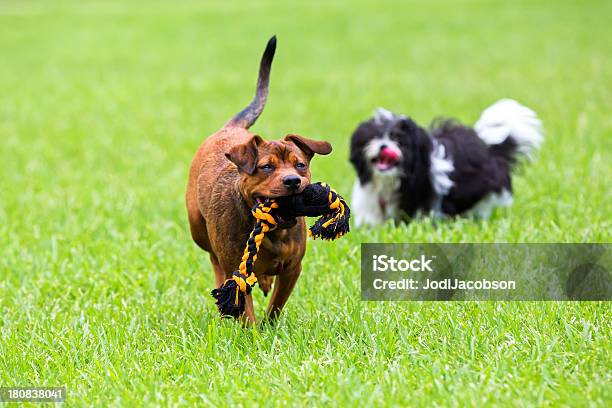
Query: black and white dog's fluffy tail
<point x="482" y="180"/>
<point x="510" y="129"/>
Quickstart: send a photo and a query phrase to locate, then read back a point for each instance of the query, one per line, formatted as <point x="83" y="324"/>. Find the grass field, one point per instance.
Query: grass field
<point x="102" y="105"/>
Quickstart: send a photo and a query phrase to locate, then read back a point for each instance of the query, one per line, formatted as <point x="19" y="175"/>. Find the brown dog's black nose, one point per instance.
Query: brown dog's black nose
<point x="292" y="182"/>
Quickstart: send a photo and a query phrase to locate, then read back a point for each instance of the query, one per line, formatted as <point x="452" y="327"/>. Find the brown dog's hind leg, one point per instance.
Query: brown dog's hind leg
<point x="219" y="274"/>
<point x="283" y="286"/>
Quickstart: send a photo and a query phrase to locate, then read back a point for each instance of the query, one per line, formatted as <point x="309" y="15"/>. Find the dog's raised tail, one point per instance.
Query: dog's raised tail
<point x="247" y="117"/>
<point x="510" y="128"/>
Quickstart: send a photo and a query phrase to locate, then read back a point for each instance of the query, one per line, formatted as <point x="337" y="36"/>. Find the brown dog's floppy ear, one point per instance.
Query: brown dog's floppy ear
<point x="309" y="146"/>
<point x="244" y="156"/>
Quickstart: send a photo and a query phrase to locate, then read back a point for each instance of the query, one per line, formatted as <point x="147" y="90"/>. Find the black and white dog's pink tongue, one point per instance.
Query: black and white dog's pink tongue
<point x="387" y="158"/>
<point x="388" y="155"/>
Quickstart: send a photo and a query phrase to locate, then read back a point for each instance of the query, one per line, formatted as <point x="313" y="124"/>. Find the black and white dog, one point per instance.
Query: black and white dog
<point x="405" y="170"/>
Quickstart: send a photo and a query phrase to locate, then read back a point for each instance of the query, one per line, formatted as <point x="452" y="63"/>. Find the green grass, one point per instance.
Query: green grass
<point x="102" y="105"/>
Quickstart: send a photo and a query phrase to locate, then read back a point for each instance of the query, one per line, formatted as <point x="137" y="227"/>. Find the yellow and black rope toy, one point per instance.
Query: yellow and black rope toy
<point x="316" y="200"/>
<point x="230" y="296"/>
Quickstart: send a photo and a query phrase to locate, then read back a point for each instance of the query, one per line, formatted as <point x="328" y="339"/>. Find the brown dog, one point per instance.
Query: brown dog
<point x="231" y="171"/>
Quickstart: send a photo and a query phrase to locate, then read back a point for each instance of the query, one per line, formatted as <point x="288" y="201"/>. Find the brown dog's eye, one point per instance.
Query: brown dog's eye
<point x="267" y="167"/>
<point x="300" y="166"/>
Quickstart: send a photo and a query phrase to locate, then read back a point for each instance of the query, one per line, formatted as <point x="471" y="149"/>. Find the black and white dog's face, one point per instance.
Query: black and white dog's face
<point x="386" y="145"/>
<point x="391" y="155"/>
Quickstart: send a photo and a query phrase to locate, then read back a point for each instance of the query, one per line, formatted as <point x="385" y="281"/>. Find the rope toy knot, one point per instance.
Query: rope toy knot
<point x="334" y="224"/>
<point x="316" y="200"/>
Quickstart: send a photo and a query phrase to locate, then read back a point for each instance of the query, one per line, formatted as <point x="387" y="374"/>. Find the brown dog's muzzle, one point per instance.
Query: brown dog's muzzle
<point x="292" y="183"/>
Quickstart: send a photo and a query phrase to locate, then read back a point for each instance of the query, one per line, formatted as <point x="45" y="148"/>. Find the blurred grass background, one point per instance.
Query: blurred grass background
<point x="102" y="105"/>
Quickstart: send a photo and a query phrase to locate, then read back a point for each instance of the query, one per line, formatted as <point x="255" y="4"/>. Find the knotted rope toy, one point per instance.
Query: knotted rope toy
<point x="316" y="200"/>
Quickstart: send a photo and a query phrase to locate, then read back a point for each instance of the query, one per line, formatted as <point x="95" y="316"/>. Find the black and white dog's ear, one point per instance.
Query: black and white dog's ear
<point x="361" y="165"/>
<point x="365" y="133"/>
<point x="407" y="125"/>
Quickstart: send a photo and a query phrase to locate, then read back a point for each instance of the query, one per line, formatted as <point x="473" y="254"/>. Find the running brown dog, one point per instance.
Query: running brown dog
<point x="234" y="169"/>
